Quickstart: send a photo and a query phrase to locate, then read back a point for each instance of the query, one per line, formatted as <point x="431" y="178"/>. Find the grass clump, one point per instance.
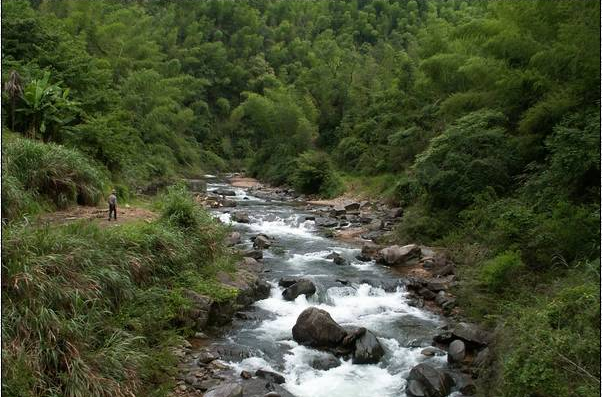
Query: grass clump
<point x="35" y="171"/>
<point x="92" y="311"/>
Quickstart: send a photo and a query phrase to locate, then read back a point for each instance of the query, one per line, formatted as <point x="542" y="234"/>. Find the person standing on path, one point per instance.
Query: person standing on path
<point x="113" y="205"/>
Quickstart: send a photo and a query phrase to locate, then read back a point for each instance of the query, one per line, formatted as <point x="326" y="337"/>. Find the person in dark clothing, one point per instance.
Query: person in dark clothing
<point x="113" y="205"/>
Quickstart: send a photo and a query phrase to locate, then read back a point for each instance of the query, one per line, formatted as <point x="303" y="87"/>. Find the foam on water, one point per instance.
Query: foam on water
<point x="399" y="327"/>
<point x="345" y="380"/>
<point x="291" y="226"/>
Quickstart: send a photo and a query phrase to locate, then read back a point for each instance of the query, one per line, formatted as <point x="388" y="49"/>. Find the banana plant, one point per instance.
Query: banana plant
<point x="47" y="107"/>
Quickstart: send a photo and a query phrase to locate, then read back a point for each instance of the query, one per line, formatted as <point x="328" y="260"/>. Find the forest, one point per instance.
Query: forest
<point x="481" y="119"/>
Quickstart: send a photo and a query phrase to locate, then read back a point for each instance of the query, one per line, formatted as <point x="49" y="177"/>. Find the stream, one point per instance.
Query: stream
<point x="264" y="332"/>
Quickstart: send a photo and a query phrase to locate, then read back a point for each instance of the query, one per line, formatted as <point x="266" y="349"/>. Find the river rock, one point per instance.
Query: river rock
<point x="270" y="376"/>
<point x="395" y="212"/>
<point x="325" y="361"/>
<point x="482" y="358"/>
<point x="369" y="251"/>
<point x="225" y="390"/>
<point x="399" y="256"/>
<point x="446" y="270"/>
<point x="240" y="217"/>
<point x="326" y="222"/>
<point x="456" y="352"/>
<point x="301" y="287"/>
<point x="427" y="294"/>
<point x="432" y="351"/>
<point x="463" y="383"/>
<point x="200" y="309"/>
<point x="255" y="254"/>
<point x="205" y="357"/>
<point x="261" y="241"/>
<point x="368" y="349"/>
<point x="426" y="381"/>
<point x="233" y="239"/>
<point x="440" y="284"/>
<point x="337" y="258"/>
<point x="471" y="334"/>
<point x="337" y="211"/>
<point x="374" y="235"/>
<point x="286" y="282"/>
<point x="352" y="207"/>
<point x="315" y="328"/>
<point x="228" y="203"/>
<point x="225" y="192"/>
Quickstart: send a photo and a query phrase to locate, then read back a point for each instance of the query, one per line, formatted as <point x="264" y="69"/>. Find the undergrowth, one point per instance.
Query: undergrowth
<point x="92" y="311"/>
<point x="37" y="175"/>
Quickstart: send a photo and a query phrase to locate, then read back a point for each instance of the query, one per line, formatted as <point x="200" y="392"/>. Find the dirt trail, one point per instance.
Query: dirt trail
<point x="98" y="215"/>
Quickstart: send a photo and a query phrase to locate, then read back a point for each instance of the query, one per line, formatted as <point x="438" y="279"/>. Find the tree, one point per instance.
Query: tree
<point x="14" y="89"/>
<point x="47" y="107"/>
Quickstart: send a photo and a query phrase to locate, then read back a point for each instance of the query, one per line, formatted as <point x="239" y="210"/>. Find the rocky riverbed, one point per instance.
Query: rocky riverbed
<point x="319" y="315"/>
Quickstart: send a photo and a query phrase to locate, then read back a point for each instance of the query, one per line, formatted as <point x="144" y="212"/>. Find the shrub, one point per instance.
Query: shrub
<point x="498" y="273"/>
<point x="419" y="225"/>
<point x="553" y="348"/>
<point x="316" y="175"/>
<point x="468" y="157"/>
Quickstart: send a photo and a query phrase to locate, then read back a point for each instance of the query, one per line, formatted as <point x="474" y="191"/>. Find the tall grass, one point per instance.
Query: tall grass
<point x="91" y="311"/>
<point x="35" y="171"/>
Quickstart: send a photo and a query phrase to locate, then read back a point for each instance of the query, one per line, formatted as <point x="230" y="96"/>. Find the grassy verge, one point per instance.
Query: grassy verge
<point x="91" y="311"/>
<point x="38" y="176"/>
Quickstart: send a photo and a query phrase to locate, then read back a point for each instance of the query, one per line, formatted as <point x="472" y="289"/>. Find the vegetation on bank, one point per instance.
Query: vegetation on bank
<point x="95" y="311"/>
<point x="481" y="119"/>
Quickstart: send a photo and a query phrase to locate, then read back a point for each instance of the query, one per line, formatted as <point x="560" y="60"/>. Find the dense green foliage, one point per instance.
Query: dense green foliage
<point x="34" y="173"/>
<point x="93" y="311"/>
<point x="480" y="118"/>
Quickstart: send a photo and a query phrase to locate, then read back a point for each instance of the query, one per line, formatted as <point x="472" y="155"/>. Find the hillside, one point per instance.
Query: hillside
<point x="480" y="119"/>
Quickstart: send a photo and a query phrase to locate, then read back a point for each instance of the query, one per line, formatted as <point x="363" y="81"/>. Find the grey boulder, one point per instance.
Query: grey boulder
<point x="315" y="328"/>
<point x="301" y="287"/>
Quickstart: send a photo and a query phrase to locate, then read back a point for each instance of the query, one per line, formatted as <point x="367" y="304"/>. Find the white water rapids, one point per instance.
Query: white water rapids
<point x="402" y="330"/>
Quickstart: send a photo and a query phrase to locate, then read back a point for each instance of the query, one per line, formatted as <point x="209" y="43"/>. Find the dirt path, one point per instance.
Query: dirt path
<point x="244" y="182"/>
<point x="98" y="215"/>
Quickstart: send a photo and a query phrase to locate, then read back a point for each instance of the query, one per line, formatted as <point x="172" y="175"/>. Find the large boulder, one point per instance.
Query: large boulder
<point x="399" y="256"/>
<point x="426" y="381"/>
<point x="456" y="352"/>
<point x="240" y="217"/>
<point x="301" y="287"/>
<point x="225" y="390"/>
<point x="315" y="328"/>
<point x="368" y="349"/>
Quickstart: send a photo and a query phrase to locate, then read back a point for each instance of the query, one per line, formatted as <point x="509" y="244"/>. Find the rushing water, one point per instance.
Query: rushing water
<point x="299" y="250"/>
